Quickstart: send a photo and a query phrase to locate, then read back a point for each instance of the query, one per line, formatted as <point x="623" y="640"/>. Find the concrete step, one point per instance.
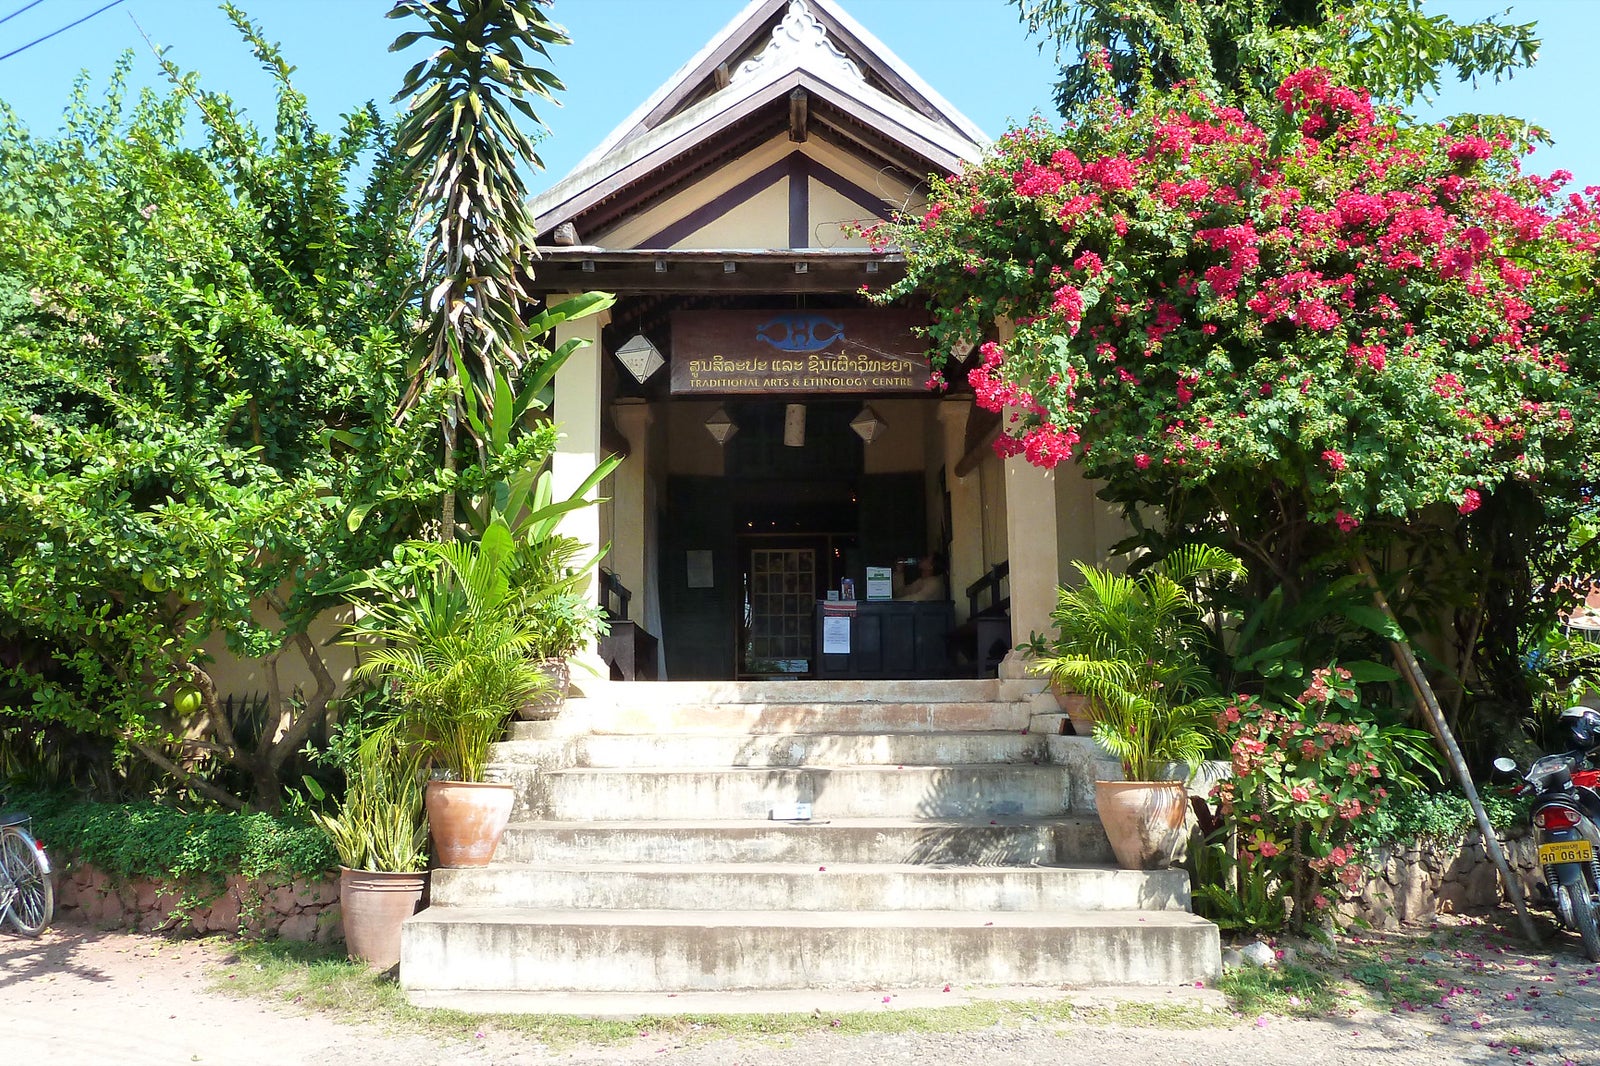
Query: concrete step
<point x="987" y="842"/>
<point x="942" y="690"/>
<point x="794" y="887"/>
<point x="742" y="719"/>
<point x="800" y="749"/>
<point x="511" y="949"/>
<point x="838" y="792"/>
<point x="631" y="1006"/>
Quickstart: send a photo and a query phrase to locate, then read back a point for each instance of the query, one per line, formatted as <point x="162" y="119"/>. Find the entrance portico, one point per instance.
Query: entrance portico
<point x="779" y="440"/>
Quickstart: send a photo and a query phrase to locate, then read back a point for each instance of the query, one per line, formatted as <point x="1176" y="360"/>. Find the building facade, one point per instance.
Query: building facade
<point x="782" y="449"/>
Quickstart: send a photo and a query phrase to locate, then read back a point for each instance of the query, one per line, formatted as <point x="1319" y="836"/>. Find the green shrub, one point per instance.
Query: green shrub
<point x="153" y="840"/>
<point x="1418" y="815"/>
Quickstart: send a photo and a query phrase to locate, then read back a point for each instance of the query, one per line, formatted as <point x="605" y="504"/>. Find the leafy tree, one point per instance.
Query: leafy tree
<point x="198" y="372"/>
<point x="1337" y="334"/>
<point x="1242" y="49"/>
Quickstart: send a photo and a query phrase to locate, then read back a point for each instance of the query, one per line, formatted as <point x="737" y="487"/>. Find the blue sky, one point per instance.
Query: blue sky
<point x="974" y="52"/>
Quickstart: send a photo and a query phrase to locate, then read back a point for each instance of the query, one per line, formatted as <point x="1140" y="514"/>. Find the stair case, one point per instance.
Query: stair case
<point x="952" y="840"/>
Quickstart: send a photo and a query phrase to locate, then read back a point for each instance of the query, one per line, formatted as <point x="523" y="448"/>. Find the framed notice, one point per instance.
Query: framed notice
<point x="700" y="572"/>
<point x="836" y="634"/>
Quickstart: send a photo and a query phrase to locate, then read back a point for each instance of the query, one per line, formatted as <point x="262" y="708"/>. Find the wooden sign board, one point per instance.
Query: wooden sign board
<point x="854" y="350"/>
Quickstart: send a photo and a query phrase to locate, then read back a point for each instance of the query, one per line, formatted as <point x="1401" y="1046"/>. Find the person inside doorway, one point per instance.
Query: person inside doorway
<point x="928" y="585"/>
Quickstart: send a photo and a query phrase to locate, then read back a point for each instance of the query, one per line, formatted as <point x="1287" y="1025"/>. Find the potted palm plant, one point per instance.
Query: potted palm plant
<point x="456" y="637"/>
<point x="1131" y="645"/>
<point x="564" y="617"/>
<point x="382" y="841"/>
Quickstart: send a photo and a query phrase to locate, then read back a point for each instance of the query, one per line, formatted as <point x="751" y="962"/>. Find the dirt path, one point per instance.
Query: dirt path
<point x="80" y="996"/>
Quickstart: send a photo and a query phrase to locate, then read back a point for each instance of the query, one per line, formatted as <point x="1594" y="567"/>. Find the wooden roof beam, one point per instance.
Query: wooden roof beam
<point x="799" y="114"/>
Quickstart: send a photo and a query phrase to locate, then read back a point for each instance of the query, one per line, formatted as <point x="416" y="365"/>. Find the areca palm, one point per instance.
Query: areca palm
<point x="457" y="641"/>
<point x="1129" y="644"/>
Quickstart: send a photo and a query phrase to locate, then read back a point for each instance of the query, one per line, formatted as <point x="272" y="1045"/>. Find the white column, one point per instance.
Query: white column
<point x="579" y="451"/>
<point x="1032" y="544"/>
<point x="966" y="504"/>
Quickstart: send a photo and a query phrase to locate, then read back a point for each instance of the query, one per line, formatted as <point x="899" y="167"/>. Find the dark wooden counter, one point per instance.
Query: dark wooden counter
<point x="891" y="639"/>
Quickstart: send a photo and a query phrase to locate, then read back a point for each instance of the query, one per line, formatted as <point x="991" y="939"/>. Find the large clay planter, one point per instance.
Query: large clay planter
<point x="1076" y="707"/>
<point x="373" y="904"/>
<point x="546" y="706"/>
<point x="1146" y="821"/>
<point x="466" y="819"/>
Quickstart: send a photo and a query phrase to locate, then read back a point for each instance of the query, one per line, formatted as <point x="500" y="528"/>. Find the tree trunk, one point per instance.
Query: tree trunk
<point x="447" y="502"/>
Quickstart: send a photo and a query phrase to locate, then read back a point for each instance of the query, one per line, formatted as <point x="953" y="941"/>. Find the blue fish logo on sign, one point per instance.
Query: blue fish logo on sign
<point x="800" y="332"/>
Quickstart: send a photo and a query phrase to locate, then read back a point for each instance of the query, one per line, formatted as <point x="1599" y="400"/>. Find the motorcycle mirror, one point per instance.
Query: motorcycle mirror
<point x="1503" y="765"/>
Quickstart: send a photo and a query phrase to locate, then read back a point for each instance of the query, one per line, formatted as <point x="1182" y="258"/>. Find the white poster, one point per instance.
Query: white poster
<point x="700" y="572"/>
<point x="836" y="634"/>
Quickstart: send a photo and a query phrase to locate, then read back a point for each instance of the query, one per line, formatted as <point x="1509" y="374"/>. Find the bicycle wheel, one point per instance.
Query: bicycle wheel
<point x="34" y="899"/>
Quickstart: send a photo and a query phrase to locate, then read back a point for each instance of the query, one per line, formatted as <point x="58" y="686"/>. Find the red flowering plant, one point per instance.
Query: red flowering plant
<point x="1306" y="773"/>
<point x="1363" y="315"/>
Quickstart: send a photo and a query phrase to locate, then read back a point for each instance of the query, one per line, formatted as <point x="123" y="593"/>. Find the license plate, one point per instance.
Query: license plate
<point x="1566" y="851"/>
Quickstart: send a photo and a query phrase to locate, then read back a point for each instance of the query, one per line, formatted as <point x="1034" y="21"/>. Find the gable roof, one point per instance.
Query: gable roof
<point x="743" y="84"/>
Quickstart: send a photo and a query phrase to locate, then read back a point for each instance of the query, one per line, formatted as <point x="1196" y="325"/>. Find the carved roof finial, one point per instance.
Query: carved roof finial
<point x="798" y="36"/>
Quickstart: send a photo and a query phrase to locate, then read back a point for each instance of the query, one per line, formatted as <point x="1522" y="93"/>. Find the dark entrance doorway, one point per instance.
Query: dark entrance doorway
<point x="745" y="557"/>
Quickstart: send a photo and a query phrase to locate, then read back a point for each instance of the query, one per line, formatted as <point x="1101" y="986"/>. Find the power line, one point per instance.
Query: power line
<point x="20" y="10"/>
<point x="57" y="33"/>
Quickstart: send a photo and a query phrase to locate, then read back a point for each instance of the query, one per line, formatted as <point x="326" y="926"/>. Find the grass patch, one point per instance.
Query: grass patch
<point x="1289" y="989"/>
<point x="1392" y="978"/>
<point x="319" y="978"/>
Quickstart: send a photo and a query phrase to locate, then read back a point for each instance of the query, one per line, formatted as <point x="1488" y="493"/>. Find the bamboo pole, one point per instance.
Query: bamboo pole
<point x="1429" y="703"/>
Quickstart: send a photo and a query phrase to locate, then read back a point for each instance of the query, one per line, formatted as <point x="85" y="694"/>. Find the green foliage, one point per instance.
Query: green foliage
<point x="1132" y="644"/>
<point x="465" y="154"/>
<point x="1438" y="816"/>
<point x="1235" y="895"/>
<point x="1242" y="49"/>
<point x="1288" y="990"/>
<point x="380" y="824"/>
<point x="1306" y="776"/>
<point x="457" y="644"/>
<point x="198" y="376"/>
<point x="153" y="840"/>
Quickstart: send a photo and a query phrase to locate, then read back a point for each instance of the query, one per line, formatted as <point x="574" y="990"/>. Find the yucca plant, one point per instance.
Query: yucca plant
<point x="457" y="638"/>
<point x="467" y="156"/>
<point x="379" y="826"/>
<point x="1130" y="645"/>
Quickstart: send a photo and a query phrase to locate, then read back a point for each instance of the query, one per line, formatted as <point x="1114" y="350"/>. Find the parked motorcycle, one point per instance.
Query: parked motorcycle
<point x="1566" y="816"/>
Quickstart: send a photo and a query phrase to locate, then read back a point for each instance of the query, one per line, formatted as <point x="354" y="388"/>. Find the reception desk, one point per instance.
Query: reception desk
<point x="888" y="639"/>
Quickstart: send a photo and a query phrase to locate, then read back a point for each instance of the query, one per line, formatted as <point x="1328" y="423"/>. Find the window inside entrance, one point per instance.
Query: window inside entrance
<point x="779" y="602"/>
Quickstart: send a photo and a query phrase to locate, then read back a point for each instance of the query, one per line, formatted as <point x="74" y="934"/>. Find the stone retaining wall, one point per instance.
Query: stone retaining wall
<point x="1417" y="881"/>
<point x="294" y="909"/>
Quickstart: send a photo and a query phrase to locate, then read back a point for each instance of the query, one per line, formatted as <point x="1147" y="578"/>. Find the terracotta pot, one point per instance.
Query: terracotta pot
<point x="1146" y="821"/>
<point x="547" y="706"/>
<point x="373" y="904"/>
<point x="1076" y="707"/>
<point x="466" y="819"/>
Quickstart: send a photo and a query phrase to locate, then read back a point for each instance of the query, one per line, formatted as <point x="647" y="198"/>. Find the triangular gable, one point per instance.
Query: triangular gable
<point x="787" y="56"/>
<point x="737" y="48"/>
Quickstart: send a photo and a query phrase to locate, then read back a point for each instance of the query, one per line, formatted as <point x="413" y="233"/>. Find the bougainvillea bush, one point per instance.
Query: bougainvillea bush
<point x="1308" y="775"/>
<point x="1346" y="315"/>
